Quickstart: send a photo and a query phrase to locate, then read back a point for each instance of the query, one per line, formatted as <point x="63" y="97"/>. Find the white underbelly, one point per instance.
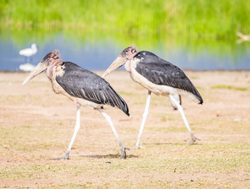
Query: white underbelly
<point x="157" y="89"/>
<point x="84" y="102"/>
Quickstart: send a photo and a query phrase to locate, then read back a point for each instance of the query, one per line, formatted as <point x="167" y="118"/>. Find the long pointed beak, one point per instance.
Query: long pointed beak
<point x="38" y="69"/>
<point x="119" y="61"/>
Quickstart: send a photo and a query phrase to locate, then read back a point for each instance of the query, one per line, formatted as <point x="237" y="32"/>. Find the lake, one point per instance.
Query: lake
<point x="98" y="54"/>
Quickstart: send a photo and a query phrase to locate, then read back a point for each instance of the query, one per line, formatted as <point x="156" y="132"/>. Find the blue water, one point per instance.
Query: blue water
<point x="98" y="55"/>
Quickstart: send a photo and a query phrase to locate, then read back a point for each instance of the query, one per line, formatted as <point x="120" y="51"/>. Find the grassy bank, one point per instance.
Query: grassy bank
<point x="218" y="20"/>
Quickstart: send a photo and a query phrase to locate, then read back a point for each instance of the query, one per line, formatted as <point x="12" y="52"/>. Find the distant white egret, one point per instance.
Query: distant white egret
<point x="28" y="52"/>
<point x="27" y="67"/>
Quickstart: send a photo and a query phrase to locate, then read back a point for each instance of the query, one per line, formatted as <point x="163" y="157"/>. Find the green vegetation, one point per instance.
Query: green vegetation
<point x="229" y="87"/>
<point x="143" y="21"/>
<point x="196" y="26"/>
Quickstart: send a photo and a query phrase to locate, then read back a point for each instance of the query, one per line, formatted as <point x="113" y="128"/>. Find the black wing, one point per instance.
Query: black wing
<point x="81" y="83"/>
<point x="161" y="72"/>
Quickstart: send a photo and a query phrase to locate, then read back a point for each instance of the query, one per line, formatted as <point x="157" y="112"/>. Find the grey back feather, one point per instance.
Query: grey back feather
<point x="161" y="72"/>
<point x="81" y="83"/>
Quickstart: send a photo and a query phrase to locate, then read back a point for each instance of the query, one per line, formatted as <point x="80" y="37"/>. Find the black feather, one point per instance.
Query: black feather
<point x="162" y="72"/>
<point x="81" y="83"/>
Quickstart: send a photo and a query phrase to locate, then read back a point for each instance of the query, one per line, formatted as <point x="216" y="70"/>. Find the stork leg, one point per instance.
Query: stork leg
<point x="144" y="117"/>
<point x="76" y="129"/>
<point x="178" y="100"/>
<point x="179" y="107"/>
<point x="109" y="120"/>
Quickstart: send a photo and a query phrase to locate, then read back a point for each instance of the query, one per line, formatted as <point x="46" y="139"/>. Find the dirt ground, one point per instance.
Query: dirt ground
<point x="36" y="126"/>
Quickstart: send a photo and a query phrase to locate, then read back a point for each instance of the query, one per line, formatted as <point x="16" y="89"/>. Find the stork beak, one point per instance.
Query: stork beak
<point x="119" y="61"/>
<point x="38" y="69"/>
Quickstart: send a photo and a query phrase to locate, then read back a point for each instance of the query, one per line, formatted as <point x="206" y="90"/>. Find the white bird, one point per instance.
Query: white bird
<point x="27" y="67"/>
<point x="28" y="52"/>
<point x="242" y="37"/>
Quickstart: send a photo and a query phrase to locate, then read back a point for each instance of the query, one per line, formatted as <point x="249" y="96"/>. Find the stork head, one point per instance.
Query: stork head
<point x="126" y="55"/>
<point x="51" y="58"/>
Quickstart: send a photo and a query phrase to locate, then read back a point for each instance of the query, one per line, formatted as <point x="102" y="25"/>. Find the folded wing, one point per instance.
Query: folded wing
<point x="81" y="83"/>
<point x="161" y="72"/>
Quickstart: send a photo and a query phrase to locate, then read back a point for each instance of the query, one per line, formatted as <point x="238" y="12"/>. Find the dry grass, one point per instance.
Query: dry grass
<point x="36" y="126"/>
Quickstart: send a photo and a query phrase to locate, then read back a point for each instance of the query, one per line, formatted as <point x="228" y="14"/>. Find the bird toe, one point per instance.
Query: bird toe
<point x="193" y="139"/>
<point x="123" y="153"/>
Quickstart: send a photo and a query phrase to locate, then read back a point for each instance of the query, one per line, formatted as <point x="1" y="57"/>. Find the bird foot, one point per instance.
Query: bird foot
<point x="138" y="146"/>
<point x="193" y="139"/>
<point x="123" y="153"/>
<point x="65" y="157"/>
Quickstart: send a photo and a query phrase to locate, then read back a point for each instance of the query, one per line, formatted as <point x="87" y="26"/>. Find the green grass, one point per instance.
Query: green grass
<point x="195" y="163"/>
<point x="138" y="21"/>
<point x="229" y="87"/>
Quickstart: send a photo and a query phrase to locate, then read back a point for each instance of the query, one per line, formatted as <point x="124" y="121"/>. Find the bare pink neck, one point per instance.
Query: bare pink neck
<point x="52" y="65"/>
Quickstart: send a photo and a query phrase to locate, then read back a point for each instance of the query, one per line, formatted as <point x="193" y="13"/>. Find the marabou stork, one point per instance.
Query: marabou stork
<point x="159" y="77"/>
<point x="83" y="87"/>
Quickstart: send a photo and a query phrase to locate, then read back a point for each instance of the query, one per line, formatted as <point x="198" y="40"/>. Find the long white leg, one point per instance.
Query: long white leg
<point x="144" y="117"/>
<point x="109" y="120"/>
<point x="179" y="107"/>
<point x="76" y="129"/>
